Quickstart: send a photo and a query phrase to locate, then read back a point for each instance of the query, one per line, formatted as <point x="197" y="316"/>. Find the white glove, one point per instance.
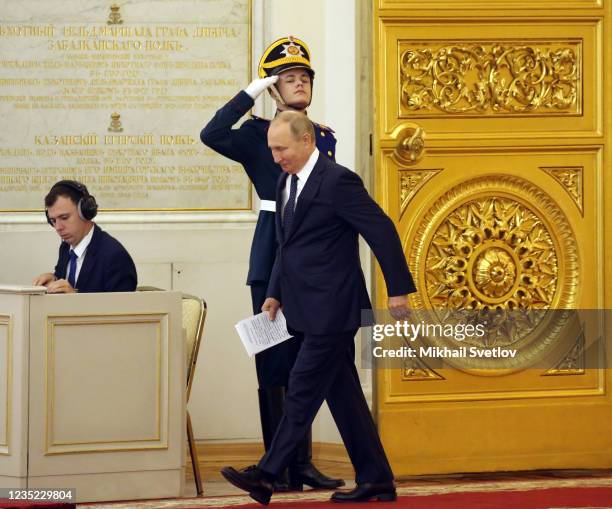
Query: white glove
<point x="256" y="87"/>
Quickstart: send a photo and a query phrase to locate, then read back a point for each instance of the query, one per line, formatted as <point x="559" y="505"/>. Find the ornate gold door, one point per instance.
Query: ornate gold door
<point x="507" y="207"/>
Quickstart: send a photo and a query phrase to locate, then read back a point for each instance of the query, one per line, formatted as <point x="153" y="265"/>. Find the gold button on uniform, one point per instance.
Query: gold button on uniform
<point x="323" y="134"/>
<point x="329" y="153"/>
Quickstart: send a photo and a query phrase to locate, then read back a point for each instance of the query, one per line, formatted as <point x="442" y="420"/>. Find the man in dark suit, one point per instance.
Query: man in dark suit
<point x="317" y="276"/>
<point x="90" y="260"/>
<point x="285" y="71"/>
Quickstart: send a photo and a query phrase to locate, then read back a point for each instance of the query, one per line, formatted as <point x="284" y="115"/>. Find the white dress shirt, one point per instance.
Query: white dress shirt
<point x="302" y="176"/>
<point x="80" y="250"/>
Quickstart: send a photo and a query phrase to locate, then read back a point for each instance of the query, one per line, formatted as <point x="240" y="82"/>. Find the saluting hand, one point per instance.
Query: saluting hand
<point x="256" y="87"/>
<point x="271" y="306"/>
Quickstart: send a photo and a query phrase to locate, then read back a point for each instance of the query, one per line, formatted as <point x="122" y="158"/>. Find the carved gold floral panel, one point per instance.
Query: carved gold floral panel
<point x="491" y="78"/>
<point x="571" y="179"/>
<point x="410" y="182"/>
<point x="497" y="243"/>
<point x="486" y="244"/>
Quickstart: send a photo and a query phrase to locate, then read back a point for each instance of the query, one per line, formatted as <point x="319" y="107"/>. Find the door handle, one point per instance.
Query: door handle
<point x="410" y="143"/>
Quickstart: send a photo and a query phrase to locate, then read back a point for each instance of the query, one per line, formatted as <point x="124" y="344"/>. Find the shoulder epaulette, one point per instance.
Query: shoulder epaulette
<point x="324" y="127"/>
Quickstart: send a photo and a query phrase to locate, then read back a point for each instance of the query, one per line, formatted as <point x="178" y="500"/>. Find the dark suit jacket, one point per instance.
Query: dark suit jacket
<point x="107" y="266"/>
<point x="317" y="274"/>
<point x="248" y="145"/>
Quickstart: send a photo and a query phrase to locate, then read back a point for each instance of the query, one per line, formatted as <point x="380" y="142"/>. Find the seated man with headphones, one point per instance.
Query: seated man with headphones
<point x="90" y="260"/>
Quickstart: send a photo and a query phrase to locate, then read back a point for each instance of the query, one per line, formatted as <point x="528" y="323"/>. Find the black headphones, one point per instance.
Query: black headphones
<point x="86" y="206"/>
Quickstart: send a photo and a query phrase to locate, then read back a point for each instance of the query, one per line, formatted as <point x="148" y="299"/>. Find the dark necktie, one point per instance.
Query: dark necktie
<point x="290" y="207"/>
<point x="72" y="270"/>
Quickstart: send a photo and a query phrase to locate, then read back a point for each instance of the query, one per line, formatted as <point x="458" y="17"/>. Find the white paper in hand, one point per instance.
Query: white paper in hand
<point x="258" y="333"/>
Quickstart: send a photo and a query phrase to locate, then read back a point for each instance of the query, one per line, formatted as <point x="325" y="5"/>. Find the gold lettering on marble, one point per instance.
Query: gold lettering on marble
<point x="27" y="31"/>
<point x="96" y="31"/>
<point x="76" y="71"/>
<point x="66" y="139"/>
<point x="162" y="31"/>
<point x="166" y="139"/>
<point x="215" y="32"/>
<point x="127" y="139"/>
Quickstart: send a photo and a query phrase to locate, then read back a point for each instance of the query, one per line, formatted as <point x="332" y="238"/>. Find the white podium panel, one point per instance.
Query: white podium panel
<point x="14" y="353"/>
<point x="6" y="349"/>
<point x="106" y="394"/>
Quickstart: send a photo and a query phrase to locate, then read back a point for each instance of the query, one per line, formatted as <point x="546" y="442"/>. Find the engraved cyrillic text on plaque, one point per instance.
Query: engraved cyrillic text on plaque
<point x="120" y="106"/>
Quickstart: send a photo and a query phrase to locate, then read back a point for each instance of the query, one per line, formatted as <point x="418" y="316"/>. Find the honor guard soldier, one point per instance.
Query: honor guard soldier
<point x="285" y="71"/>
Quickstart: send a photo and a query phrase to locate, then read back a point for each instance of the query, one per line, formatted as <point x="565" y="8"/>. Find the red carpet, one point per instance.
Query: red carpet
<point x="554" y="498"/>
<point x="501" y="493"/>
<point x="535" y="499"/>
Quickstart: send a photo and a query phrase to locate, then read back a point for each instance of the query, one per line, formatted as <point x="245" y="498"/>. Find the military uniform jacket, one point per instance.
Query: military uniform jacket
<point x="248" y="145"/>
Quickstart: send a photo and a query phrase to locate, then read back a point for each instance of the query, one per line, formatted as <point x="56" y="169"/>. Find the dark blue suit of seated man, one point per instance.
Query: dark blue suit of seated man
<point x="90" y="260"/>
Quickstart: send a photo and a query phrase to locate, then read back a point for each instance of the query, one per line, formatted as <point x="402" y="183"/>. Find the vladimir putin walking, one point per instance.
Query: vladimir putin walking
<point x="318" y="280"/>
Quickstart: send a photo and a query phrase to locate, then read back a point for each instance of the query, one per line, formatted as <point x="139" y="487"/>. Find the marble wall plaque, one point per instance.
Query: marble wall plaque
<point x="115" y="95"/>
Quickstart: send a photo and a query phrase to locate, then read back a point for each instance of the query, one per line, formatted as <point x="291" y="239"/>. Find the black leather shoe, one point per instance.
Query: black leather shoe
<point x="252" y="481"/>
<point x="383" y="492"/>
<point x="308" y="474"/>
<point x="280" y="484"/>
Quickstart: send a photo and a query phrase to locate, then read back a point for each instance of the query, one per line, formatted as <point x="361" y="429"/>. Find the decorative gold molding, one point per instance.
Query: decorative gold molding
<point x="500" y="5"/>
<point x="6" y="321"/>
<point x="491" y="78"/>
<point x="573" y="362"/>
<point x="571" y="179"/>
<point x="485" y="236"/>
<point x="498" y="242"/>
<point x="410" y="182"/>
<point x="54" y="447"/>
<point x="416" y="370"/>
